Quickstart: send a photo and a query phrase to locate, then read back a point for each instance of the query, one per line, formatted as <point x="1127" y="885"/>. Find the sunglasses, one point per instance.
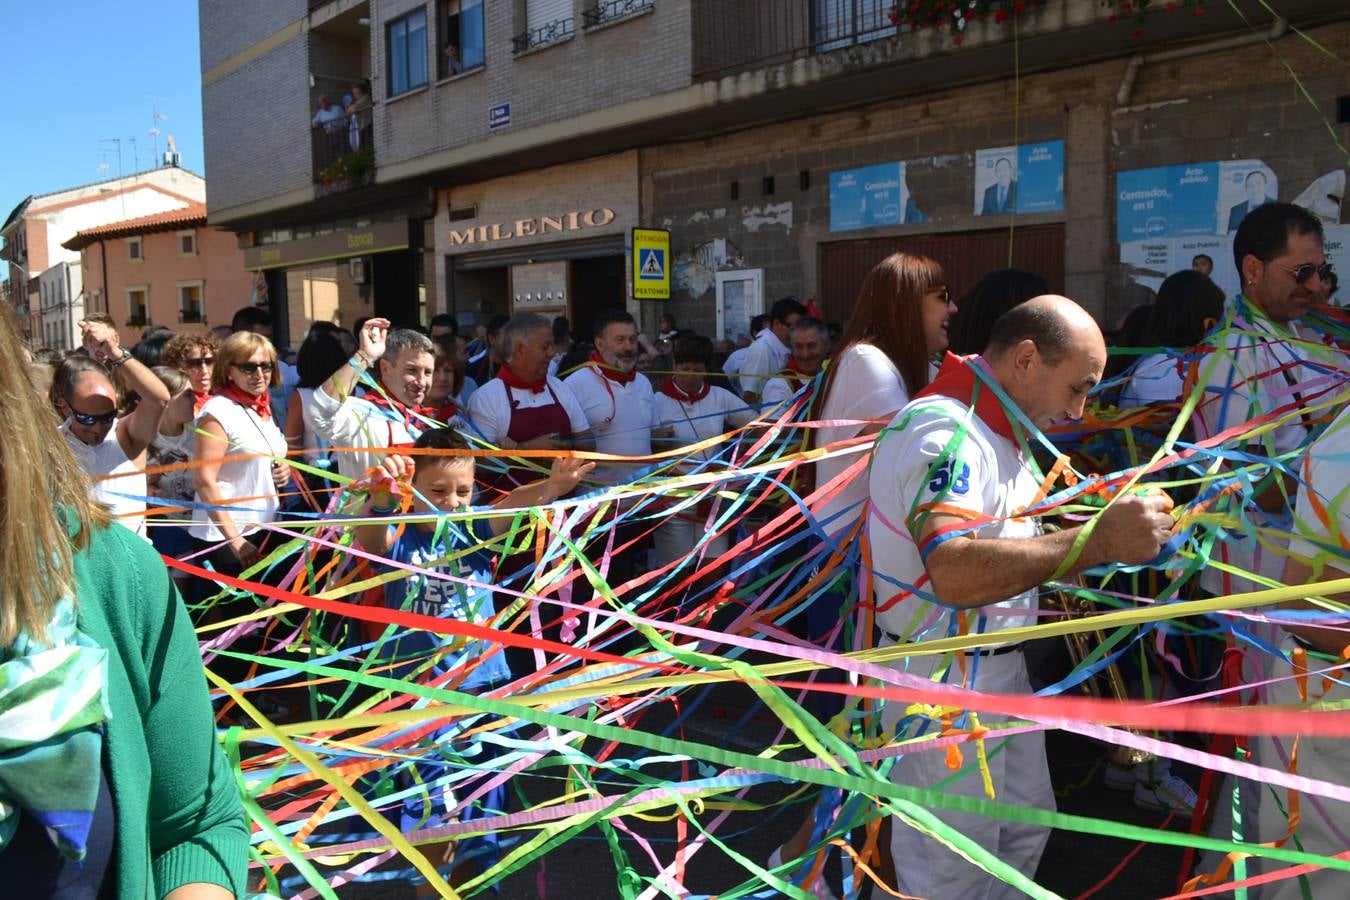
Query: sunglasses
<point x="88" y="420"/>
<point x="1307" y="270"/>
<point x="250" y="368"/>
<point x="199" y="362"/>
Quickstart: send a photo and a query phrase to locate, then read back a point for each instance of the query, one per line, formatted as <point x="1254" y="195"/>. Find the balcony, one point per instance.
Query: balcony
<point x="733" y="35"/>
<point x="554" y="32"/>
<point x="344" y="153"/>
<point x="604" y="12"/>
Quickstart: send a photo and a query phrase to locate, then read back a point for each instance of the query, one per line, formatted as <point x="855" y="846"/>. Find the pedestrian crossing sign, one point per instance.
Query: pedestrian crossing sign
<point x="651" y="264"/>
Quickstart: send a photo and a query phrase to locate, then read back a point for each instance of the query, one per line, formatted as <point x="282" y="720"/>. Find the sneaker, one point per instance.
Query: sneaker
<point x="1168" y="794"/>
<point x="1120" y="778"/>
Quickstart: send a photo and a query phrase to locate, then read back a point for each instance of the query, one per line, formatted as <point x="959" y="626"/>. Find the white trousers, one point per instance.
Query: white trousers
<point x="1021" y="777"/>
<point x="1324" y="825"/>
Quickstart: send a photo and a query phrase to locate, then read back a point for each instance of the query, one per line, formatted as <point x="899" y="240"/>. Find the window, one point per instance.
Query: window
<point x="842" y="23"/>
<point x="546" y="22"/>
<point x="190" y="301"/>
<point x="406" y="52"/>
<point x="461" y="33"/>
<point x="138" y="305"/>
<point x="135" y="251"/>
<point x="187" y="243"/>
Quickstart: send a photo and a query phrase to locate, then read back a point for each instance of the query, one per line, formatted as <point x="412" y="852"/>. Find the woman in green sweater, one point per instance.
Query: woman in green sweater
<point x="112" y="783"/>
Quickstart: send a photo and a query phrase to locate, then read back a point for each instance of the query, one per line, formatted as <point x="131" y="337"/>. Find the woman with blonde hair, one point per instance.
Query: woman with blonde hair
<point x="115" y="786"/>
<point x="240" y="454"/>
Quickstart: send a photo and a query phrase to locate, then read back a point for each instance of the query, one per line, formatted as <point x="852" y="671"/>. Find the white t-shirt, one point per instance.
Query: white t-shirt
<point x="693" y="422"/>
<point x="866" y="385"/>
<point x="1327" y="473"/>
<point x="1258" y="370"/>
<point x="249" y="477"/>
<point x="984" y="473"/>
<point x="169" y="449"/>
<point x="620" y="417"/>
<point x="125" y="492"/>
<point x="764" y="359"/>
<point x="1155" y="378"/>
<point x="491" y="405"/>
<point x="732" y="367"/>
<point x="777" y="392"/>
<point x="355" y="422"/>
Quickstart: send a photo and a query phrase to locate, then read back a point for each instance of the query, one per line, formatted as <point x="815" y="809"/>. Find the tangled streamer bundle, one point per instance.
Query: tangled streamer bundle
<point x="360" y="759"/>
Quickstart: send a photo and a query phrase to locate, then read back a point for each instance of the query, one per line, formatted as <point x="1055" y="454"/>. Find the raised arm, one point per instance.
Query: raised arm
<point x="370" y="347"/>
<point x="566" y="473"/>
<point x="377" y="537"/>
<point x="138" y="430"/>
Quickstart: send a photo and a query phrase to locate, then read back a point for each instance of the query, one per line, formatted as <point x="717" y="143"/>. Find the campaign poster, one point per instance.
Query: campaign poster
<point x="871" y="197"/>
<point x="1026" y="178"/>
<point x="1167" y="201"/>
<point x="1244" y="185"/>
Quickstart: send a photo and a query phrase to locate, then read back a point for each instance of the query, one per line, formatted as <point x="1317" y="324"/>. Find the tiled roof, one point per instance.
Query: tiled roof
<point x="190" y="216"/>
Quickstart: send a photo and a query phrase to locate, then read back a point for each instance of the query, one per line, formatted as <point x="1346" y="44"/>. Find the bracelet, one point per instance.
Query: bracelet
<point x="120" y="361"/>
<point x="383" y="510"/>
<point x="359" y="361"/>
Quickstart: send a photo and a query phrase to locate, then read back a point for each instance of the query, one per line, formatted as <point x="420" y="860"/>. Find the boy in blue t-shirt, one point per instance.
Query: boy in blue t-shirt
<point x="445" y="483"/>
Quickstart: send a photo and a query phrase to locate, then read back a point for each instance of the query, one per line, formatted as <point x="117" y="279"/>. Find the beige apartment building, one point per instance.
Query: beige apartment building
<point x="485" y="156"/>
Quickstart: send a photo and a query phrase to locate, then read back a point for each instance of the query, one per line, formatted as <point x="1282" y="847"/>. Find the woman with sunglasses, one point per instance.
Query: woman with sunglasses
<point x="116" y="786"/>
<point x="111" y="448"/>
<point x="195" y="356"/>
<point x="240" y="454"/>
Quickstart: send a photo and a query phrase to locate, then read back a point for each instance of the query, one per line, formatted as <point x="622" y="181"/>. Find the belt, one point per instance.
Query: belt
<point x="973" y="651"/>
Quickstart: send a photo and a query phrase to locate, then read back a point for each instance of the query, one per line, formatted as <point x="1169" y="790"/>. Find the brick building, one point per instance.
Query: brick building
<point x="787" y="145"/>
<point x="163" y="269"/>
<point x="36" y="229"/>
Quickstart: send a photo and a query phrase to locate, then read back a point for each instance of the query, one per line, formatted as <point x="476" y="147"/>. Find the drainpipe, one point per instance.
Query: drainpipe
<point x="1277" y="30"/>
<point x="103" y="258"/>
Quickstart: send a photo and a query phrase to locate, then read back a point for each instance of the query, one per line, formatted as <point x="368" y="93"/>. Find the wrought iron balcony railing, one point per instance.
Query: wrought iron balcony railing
<point x="733" y="35"/>
<point x="606" y="11"/>
<point x="344" y="152"/>
<point x="548" y="33"/>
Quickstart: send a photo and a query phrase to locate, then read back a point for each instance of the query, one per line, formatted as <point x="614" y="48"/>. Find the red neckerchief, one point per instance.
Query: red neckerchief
<point x="515" y="381"/>
<point x="793" y="372"/>
<point x="199" y="399"/>
<point x="447" y="412"/>
<point x="409" y="414"/>
<point x="671" y="389"/>
<point x="956" y="379"/>
<point x="259" y="403"/>
<point x="613" y="374"/>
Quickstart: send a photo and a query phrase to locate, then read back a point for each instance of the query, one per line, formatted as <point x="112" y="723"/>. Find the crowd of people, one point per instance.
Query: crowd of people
<point x="923" y="421"/>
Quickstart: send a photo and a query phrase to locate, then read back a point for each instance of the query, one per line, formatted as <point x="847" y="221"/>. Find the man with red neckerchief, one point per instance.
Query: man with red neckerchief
<point x="389" y="416"/>
<point x="949" y="554"/>
<point x="617" y="401"/>
<point x="810" y="344"/>
<point x="522" y="407"/>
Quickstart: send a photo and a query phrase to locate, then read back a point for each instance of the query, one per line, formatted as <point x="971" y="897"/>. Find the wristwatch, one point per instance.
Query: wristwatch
<point x="121" y="360"/>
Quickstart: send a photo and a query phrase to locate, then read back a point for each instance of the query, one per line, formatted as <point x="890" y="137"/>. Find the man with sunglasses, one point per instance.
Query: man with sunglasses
<point x="110" y="448"/>
<point x="1264" y="365"/>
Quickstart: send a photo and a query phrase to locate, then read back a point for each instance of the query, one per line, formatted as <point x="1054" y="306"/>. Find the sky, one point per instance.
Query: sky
<point x="87" y="72"/>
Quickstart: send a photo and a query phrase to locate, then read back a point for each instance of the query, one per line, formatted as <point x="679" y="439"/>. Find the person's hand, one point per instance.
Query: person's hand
<point x="372" y="337"/>
<point x="399" y="468"/>
<point x="1132" y="530"/>
<point x="101" y="341"/>
<point x="281" y="474"/>
<point x="566" y="474"/>
<point x="244" y="551"/>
